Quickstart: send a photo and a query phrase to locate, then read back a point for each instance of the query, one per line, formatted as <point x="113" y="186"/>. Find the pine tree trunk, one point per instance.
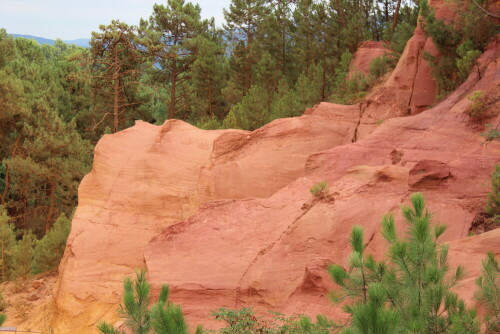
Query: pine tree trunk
<point x="52" y="197"/>
<point x="116" y="89"/>
<point x="340" y="12"/>
<point x="173" y="81"/>
<point x="396" y="15"/>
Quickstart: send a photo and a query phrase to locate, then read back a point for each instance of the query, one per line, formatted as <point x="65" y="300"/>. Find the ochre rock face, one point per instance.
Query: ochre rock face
<point x="226" y="218"/>
<point x="367" y="51"/>
<point x="271" y="253"/>
<point x="148" y="177"/>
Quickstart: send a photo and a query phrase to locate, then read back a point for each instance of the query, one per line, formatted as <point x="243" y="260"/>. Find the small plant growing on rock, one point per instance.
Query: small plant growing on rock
<point x="163" y="317"/>
<point x="320" y="190"/>
<point x="491" y="133"/>
<point x="478" y="106"/>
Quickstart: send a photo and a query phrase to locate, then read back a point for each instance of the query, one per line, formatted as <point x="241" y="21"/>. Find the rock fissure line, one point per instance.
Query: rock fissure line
<point x="262" y="252"/>
<point x="361" y="111"/>
<point x="421" y="46"/>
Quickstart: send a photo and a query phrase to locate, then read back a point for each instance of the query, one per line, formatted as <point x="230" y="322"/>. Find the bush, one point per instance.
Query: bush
<point x="459" y="44"/>
<point x="320" y="189"/>
<point x="477" y="108"/>
<point x="50" y="249"/>
<point x="491" y="134"/>
<point x="244" y="321"/>
<point x="381" y="65"/>
<point x="22" y="257"/>
<point x="7" y="244"/>
<point x="493" y="203"/>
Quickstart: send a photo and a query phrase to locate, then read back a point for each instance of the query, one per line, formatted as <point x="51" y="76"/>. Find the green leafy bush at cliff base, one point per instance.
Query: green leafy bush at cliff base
<point x="50" y="249"/>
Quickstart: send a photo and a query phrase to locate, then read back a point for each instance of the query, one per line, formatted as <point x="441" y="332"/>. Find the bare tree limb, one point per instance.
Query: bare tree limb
<point x="485" y="11"/>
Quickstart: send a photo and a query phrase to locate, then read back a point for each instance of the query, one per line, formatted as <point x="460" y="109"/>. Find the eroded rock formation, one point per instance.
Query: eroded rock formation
<point x="226" y="218"/>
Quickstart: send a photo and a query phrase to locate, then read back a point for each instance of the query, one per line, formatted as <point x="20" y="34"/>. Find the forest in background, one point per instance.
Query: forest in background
<point x="272" y="59"/>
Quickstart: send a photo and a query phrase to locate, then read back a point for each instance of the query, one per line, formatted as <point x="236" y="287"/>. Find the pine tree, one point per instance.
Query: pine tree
<point x="115" y="59"/>
<point x="169" y="37"/>
<point x="374" y="317"/>
<point x="251" y="113"/>
<point x="489" y="293"/>
<point x="7" y="243"/>
<point x="162" y="318"/>
<point x="363" y="271"/>
<point x="275" y="38"/>
<point x="243" y="19"/>
<point x="286" y="102"/>
<point x="208" y="76"/>
<point x="413" y="283"/>
<point x="22" y="257"/>
<point x="304" y="35"/>
<point x="45" y="174"/>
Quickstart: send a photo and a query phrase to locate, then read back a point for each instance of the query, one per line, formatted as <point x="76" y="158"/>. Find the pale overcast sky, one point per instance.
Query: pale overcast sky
<point x="72" y="19"/>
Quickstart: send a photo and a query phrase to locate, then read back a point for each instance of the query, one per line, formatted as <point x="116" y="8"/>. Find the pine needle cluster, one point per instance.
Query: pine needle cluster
<point x="410" y="292"/>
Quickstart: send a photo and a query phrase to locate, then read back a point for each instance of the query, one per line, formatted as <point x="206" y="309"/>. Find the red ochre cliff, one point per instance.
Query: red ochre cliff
<point x="226" y="218"/>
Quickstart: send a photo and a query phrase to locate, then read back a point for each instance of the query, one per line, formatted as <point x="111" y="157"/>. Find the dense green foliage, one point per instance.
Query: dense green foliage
<point x="244" y="321"/>
<point x="21" y="258"/>
<point x="272" y="59"/>
<point x="460" y="42"/>
<point x="49" y="250"/>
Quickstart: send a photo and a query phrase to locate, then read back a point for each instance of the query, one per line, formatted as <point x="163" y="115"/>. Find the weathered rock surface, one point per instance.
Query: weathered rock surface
<point x="275" y="249"/>
<point x="367" y="51"/>
<point x="225" y="217"/>
<point x="148" y="177"/>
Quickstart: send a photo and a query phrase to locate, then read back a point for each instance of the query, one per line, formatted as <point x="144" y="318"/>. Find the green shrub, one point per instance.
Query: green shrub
<point x="7" y="244"/>
<point x="491" y="134"/>
<point x="460" y="43"/>
<point x="411" y="291"/>
<point x="244" y="321"/>
<point x="22" y="257"/>
<point x="493" y="203"/>
<point x="489" y="293"/>
<point x="320" y="189"/>
<point x="477" y="108"/>
<point x="381" y="65"/>
<point x="50" y="249"/>
<point x="467" y="59"/>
